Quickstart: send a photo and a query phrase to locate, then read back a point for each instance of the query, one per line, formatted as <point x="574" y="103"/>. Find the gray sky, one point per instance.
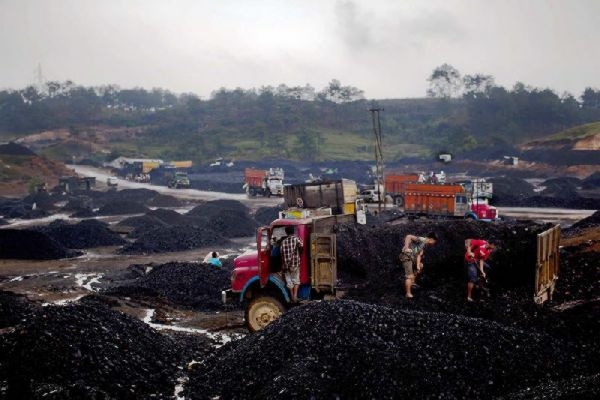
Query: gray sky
<point x="387" y="48"/>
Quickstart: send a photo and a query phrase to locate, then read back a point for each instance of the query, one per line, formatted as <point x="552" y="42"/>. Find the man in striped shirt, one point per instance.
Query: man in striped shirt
<point x="291" y="246"/>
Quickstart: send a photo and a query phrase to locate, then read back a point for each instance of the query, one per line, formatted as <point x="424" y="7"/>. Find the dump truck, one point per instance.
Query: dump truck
<point x="257" y="282"/>
<point x="263" y="182"/>
<point x="179" y="180"/>
<point x="445" y="200"/>
<point x="395" y="185"/>
<point x="338" y="195"/>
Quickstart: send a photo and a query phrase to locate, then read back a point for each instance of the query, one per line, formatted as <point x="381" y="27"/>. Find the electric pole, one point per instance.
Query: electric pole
<point x="379" y="182"/>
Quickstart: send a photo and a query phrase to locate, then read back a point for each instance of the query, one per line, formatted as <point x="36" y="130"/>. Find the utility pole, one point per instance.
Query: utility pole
<point x="379" y="182"/>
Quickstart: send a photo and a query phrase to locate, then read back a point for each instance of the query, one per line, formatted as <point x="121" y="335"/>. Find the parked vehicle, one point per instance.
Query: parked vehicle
<point x="395" y="186"/>
<point x="370" y="195"/>
<point x="257" y="283"/>
<point x="179" y="180"/>
<point x="315" y="210"/>
<point x="263" y="182"/>
<point x="112" y="181"/>
<point x="448" y="200"/>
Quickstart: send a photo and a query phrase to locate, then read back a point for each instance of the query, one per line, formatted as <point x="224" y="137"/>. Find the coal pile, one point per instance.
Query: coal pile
<point x="142" y="225"/>
<point x="381" y="245"/>
<point x="368" y="266"/>
<point x="43" y="201"/>
<point x="87" y="350"/>
<point x="13" y="307"/>
<point x="582" y="388"/>
<point x="266" y="215"/>
<point x="592" y="181"/>
<point x="146" y="197"/>
<point x="194" y="285"/>
<point x="232" y="224"/>
<point x="228" y="218"/>
<point x="121" y="207"/>
<point x="593" y="221"/>
<point x="561" y="187"/>
<point x="158" y="218"/>
<point x="21" y="210"/>
<point x="164" y="200"/>
<point x="348" y="349"/>
<point x="83" y="235"/>
<point x="579" y="276"/>
<point x="26" y="244"/>
<point x="15" y="149"/>
<point x="174" y="238"/>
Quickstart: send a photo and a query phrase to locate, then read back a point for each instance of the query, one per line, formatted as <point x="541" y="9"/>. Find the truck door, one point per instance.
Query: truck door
<point x="263" y="238"/>
<point x="323" y="262"/>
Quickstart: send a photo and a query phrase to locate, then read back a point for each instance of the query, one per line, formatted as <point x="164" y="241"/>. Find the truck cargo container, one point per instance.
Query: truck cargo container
<point x="339" y="195"/>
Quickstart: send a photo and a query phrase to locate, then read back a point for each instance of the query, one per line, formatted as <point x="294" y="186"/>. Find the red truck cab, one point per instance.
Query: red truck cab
<point x="258" y="283"/>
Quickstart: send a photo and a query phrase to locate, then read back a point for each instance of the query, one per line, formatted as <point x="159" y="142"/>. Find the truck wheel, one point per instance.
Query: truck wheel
<point x="399" y="201"/>
<point x="262" y="311"/>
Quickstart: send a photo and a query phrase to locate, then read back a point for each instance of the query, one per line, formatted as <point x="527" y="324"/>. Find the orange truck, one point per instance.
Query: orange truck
<point x="395" y="185"/>
<point x="263" y="182"/>
<point x="445" y="200"/>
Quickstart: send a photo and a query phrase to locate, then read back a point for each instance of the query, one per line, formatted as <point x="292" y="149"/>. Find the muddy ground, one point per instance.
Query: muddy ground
<point x="120" y="320"/>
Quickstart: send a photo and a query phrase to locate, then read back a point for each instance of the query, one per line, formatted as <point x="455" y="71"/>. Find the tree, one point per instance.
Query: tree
<point x="478" y="84"/>
<point x="337" y="93"/>
<point x="445" y="82"/>
<point x="307" y="144"/>
<point x="590" y="98"/>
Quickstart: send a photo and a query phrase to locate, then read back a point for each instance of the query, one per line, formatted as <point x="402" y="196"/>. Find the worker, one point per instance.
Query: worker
<point x="476" y="254"/>
<point x="291" y="246"/>
<point x="213" y="259"/>
<point x="412" y="258"/>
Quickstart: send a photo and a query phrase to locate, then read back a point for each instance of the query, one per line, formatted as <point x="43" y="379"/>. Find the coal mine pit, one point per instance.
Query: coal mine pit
<point x="190" y="285"/>
<point x="345" y="349"/>
<point x="89" y="351"/>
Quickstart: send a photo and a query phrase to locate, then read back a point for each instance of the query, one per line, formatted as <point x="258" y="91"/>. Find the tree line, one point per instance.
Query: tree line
<point x="459" y="113"/>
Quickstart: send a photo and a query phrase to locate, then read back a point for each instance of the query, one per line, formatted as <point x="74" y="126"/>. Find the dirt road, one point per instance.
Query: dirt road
<point x="188" y="194"/>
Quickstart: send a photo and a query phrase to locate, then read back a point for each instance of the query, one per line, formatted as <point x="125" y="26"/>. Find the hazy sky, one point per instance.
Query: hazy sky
<point x="387" y="48"/>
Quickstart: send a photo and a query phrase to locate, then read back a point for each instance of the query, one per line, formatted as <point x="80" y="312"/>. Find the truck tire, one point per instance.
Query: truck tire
<point x="398" y="201"/>
<point x="262" y="311"/>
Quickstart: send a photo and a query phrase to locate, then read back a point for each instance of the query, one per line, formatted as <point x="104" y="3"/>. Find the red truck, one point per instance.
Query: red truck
<point x="257" y="283"/>
<point x="445" y="200"/>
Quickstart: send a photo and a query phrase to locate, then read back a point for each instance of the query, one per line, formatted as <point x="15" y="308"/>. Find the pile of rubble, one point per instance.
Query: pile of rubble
<point x="348" y="349"/>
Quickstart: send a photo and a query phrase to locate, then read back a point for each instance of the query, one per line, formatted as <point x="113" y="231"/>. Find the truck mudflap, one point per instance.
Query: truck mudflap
<point x="548" y="263"/>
